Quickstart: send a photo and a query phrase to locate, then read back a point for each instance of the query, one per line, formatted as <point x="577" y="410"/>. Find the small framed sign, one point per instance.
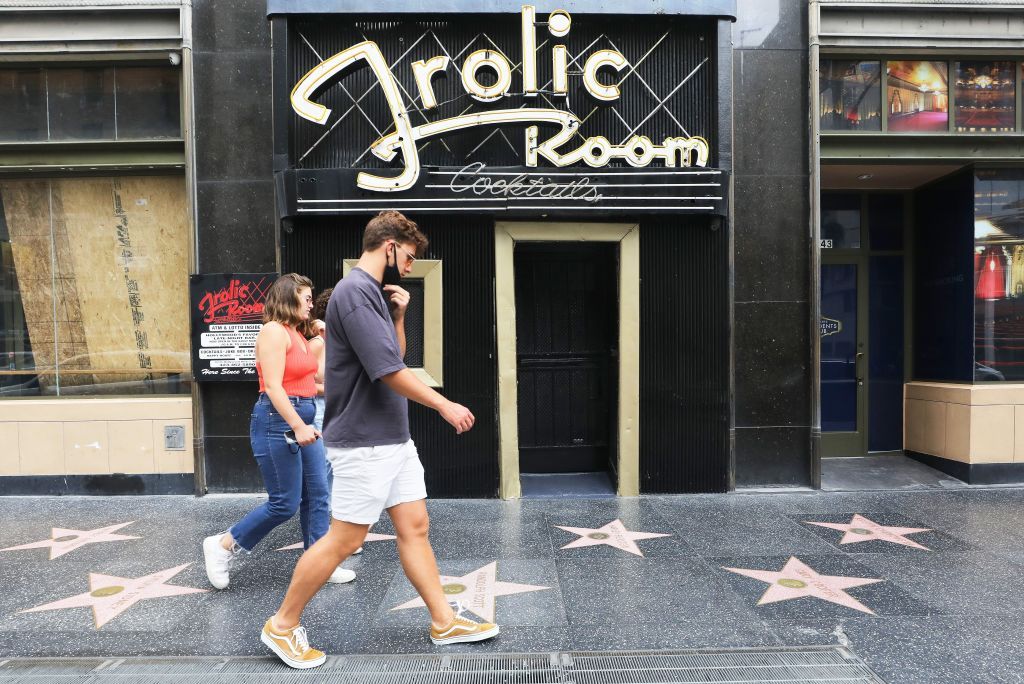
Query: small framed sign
<point x="227" y="314"/>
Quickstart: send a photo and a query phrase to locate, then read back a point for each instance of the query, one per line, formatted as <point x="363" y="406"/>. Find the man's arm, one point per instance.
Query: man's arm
<point x="398" y="301"/>
<point x="400" y="332"/>
<point x="409" y="386"/>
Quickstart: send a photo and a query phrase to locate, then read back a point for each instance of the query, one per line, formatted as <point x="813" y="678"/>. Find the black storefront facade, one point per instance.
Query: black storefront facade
<point x="577" y="293"/>
<point x="556" y="224"/>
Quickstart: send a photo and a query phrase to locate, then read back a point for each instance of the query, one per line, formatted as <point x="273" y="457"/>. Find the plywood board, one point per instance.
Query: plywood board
<point x="118" y="299"/>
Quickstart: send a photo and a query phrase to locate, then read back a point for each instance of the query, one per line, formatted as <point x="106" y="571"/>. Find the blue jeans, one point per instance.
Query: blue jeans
<point x="295" y="477"/>
<point x="321" y="405"/>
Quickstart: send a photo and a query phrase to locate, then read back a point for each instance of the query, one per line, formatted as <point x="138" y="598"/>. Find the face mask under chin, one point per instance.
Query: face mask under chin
<point x="392" y="276"/>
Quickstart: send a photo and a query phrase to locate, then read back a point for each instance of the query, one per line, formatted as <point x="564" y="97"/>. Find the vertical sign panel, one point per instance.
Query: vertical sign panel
<point x="227" y="314"/>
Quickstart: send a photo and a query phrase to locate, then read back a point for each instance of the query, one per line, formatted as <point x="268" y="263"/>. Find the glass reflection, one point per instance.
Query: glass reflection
<point x="840" y="220"/>
<point x="22" y="105"/>
<point x="999" y="274"/>
<point x="81" y="103"/>
<point x="985" y="97"/>
<point x="917" y="99"/>
<point x="850" y="95"/>
<point x="148" y="103"/>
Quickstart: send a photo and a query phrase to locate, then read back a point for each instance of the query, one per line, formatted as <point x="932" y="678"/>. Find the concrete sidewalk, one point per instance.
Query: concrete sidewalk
<point x="924" y="586"/>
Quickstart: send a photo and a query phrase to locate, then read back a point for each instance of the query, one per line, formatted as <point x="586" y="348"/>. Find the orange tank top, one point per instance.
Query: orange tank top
<point x="300" y="368"/>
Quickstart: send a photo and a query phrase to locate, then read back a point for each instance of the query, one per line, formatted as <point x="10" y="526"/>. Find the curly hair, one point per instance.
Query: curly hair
<point x="393" y="225"/>
<point x="320" y="304"/>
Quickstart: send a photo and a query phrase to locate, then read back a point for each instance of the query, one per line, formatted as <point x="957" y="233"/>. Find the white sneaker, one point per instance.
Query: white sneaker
<point x="218" y="561"/>
<point x="341" y="576"/>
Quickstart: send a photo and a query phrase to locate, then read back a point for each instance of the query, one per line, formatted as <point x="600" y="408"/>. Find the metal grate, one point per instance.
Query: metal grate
<point x="821" y="665"/>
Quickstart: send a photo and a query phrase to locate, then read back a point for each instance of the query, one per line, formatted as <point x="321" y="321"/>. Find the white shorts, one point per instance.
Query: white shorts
<point x="368" y="480"/>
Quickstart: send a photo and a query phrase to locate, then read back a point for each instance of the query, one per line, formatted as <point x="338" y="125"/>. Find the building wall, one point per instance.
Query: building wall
<point x="95" y="243"/>
<point x="772" y="405"/>
<point x="772" y="243"/>
<point x="235" y="198"/>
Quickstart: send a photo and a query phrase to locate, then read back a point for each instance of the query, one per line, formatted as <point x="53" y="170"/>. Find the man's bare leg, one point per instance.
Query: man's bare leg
<point x="315" y="566"/>
<point x="412" y="527"/>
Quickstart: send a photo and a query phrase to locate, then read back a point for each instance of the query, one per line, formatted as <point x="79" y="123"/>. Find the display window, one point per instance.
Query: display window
<point x="94" y="298"/>
<point x="850" y="95"/>
<point x="999" y="274"/>
<point x="985" y="97"/>
<point x="917" y="96"/>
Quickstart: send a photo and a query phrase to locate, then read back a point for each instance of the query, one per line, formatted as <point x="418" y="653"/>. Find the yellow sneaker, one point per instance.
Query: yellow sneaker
<point x="462" y="630"/>
<point x="292" y="647"/>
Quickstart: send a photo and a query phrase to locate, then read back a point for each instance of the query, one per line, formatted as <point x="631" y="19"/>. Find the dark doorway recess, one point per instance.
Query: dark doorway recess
<point x="567" y="356"/>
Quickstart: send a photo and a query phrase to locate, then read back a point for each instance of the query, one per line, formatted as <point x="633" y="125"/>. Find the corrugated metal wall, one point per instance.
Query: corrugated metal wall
<point x="456" y="465"/>
<point x="684" y="356"/>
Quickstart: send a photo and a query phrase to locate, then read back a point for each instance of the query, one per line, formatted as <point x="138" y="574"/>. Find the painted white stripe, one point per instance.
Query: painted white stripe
<point x="576" y="173"/>
<point x="644" y="198"/>
<point x="609" y="185"/>
<point x="546" y="207"/>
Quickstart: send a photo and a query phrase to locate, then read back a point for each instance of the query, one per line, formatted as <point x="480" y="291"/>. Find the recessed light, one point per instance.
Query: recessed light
<point x="865" y="176"/>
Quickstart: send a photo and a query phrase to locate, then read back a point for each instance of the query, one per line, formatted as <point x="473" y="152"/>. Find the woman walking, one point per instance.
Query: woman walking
<point x="287" y="447"/>
<point x="316" y="333"/>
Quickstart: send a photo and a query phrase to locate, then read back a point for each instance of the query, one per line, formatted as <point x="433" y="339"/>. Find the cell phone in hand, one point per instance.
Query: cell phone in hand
<point x="289" y="436"/>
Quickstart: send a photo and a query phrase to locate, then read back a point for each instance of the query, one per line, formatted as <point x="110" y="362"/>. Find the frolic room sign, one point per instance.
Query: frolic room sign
<point x="545" y="105"/>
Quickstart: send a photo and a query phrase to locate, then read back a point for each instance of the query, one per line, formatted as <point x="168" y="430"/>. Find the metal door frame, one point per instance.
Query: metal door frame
<point x="846" y="444"/>
<point x="627" y="235"/>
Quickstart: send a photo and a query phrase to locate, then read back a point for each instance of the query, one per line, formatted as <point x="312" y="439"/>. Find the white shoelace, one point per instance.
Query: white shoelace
<point x="301" y="642"/>
<point x="458" y="610"/>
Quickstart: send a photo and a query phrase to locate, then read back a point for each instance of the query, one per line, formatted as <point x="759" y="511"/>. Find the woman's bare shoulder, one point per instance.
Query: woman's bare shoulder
<point x="274" y="332"/>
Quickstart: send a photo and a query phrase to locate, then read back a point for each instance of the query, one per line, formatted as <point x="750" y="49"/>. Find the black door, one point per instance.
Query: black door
<point x="567" y="361"/>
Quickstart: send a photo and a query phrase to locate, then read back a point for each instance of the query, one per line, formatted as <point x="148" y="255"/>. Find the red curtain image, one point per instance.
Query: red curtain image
<point x="992" y="277"/>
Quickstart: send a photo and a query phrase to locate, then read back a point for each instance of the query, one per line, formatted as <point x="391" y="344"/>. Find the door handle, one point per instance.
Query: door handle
<point x="856" y="370"/>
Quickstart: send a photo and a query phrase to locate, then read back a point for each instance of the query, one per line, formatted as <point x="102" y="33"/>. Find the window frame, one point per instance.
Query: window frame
<point x="950" y="61"/>
<point x="430" y="271"/>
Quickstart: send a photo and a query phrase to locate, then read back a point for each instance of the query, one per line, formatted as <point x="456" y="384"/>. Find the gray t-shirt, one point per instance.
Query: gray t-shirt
<point x="362" y="346"/>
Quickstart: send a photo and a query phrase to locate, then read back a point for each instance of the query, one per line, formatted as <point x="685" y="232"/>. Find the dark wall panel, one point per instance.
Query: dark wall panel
<point x="457" y="465"/>
<point x="944" y="280"/>
<point x="234" y="201"/>
<point x="684" y="357"/>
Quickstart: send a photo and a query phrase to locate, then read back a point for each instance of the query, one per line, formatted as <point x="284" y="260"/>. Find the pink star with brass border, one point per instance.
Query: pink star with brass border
<point x="476" y="591"/>
<point x="109" y="596"/>
<point x="370" y="537"/>
<point x="797" y="579"/>
<point x="861" y="529"/>
<point x="613" y="534"/>
<point x="64" y="541"/>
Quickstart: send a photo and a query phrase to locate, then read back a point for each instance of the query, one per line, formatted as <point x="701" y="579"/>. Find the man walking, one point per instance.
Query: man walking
<point x="366" y="432"/>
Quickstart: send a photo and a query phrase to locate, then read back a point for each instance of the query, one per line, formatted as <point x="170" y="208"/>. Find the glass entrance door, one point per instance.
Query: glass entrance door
<point x="844" y="368"/>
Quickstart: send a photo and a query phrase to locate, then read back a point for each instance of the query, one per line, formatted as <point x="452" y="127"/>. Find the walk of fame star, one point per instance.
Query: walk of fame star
<point x="110" y="596"/>
<point x="476" y="591"/>
<point x="613" y="534"/>
<point x="370" y="537"/>
<point x="63" y="541"/>
<point x="861" y="529"/>
<point x="797" y="579"/>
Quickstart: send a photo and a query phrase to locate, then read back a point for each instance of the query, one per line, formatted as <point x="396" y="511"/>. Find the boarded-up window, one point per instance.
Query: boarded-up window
<point x="94" y="292"/>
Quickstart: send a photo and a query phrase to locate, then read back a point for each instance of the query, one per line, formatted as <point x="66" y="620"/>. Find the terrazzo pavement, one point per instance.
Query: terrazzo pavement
<point x="950" y="612"/>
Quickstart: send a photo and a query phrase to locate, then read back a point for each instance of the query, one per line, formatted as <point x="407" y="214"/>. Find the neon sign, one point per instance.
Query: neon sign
<point x="595" y="151"/>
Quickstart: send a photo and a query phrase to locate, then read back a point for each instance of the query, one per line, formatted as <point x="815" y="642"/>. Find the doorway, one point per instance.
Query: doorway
<point x="567" y="356"/>
<point x="863" y="321"/>
<point x="624" y="239"/>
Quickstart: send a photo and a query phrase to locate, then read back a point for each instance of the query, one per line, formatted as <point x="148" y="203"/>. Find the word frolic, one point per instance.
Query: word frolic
<point x="595" y="151"/>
